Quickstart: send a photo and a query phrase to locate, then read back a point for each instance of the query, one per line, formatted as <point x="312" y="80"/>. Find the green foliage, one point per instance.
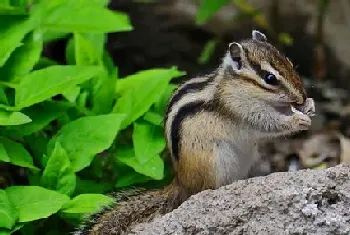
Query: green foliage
<point x="87" y="136"/>
<point x="8" y="212"/>
<point x="13" y="118"/>
<point x="285" y="39"/>
<point x="58" y="173"/>
<point x="59" y="17"/>
<point x="16" y="154"/>
<point x="28" y="92"/>
<point x="77" y="129"/>
<point x="86" y="203"/>
<point x="208" y="8"/>
<point x="145" y="89"/>
<point x="33" y="202"/>
<point x="25" y="57"/>
<point x="207" y="52"/>
<point x="12" y="31"/>
<point x="153" y="167"/>
<point x="148" y="143"/>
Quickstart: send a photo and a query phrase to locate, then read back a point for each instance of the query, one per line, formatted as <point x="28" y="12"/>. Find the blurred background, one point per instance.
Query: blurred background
<point x="84" y="85"/>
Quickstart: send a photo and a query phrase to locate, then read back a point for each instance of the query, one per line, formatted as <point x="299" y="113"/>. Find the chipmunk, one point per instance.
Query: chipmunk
<point x="213" y="126"/>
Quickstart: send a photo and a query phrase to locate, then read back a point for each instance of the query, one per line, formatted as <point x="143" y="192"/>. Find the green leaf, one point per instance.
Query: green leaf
<point x="23" y="59"/>
<point x="72" y="94"/>
<point x="35" y="202"/>
<point x="82" y="100"/>
<point x="208" y="8"/>
<point x="37" y="144"/>
<point x="17" y="154"/>
<point x="4" y="231"/>
<point x="13" y="118"/>
<point x="154" y="118"/>
<point x="22" y="3"/>
<point x="5" y="3"/>
<point x="103" y="94"/>
<point x="3" y="96"/>
<point x="161" y="104"/>
<point x="75" y="16"/>
<point x="147" y="88"/>
<point x="58" y="174"/>
<point x="44" y="62"/>
<point x="3" y="154"/>
<point x="85" y="52"/>
<point x="7" y="9"/>
<point x="50" y="35"/>
<point x="109" y="65"/>
<point x="153" y="168"/>
<point x="87" y="136"/>
<point x="86" y="203"/>
<point x="41" y="115"/>
<point x="207" y="52"/>
<point x="148" y="141"/>
<point x="61" y="78"/>
<point x="70" y="51"/>
<point x="8" y="213"/>
<point x="89" y="51"/>
<point x="102" y="2"/>
<point x="130" y="82"/>
<point x="12" y="30"/>
<point x="285" y="38"/>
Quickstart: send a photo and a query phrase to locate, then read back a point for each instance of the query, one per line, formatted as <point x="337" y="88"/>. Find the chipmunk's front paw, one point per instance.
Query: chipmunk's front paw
<point x="308" y="107"/>
<point x="300" y="121"/>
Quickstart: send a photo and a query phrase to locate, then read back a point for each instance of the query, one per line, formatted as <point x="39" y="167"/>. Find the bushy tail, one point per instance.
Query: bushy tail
<point x="132" y="207"/>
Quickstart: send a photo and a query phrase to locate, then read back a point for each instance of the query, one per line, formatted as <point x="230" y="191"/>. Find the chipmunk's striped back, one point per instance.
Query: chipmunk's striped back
<point x="187" y="100"/>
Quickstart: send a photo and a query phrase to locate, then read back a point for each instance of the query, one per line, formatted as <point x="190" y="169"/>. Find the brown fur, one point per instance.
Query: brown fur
<point x="195" y="170"/>
<point x="257" y="51"/>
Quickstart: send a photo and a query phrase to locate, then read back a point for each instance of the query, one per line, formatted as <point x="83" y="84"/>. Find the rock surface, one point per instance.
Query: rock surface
<point x="303" y="202"/>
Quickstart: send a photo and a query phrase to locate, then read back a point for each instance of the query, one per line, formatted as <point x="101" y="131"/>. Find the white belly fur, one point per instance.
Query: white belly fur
<point x="234" y="160"/>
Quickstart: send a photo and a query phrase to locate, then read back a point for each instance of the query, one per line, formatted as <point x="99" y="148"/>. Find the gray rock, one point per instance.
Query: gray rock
<point x="303" y="202"/>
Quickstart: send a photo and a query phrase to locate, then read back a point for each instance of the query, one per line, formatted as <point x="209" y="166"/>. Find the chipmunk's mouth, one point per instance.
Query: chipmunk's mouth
<point x="287" y="109"/>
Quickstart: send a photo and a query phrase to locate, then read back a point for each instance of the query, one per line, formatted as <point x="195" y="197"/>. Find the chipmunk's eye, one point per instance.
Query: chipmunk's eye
<point x="271" y="79"/>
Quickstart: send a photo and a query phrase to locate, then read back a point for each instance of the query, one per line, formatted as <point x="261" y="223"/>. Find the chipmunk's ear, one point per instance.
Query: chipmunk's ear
<point x="236" y="54"/>
<point x="256" y="35"/>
